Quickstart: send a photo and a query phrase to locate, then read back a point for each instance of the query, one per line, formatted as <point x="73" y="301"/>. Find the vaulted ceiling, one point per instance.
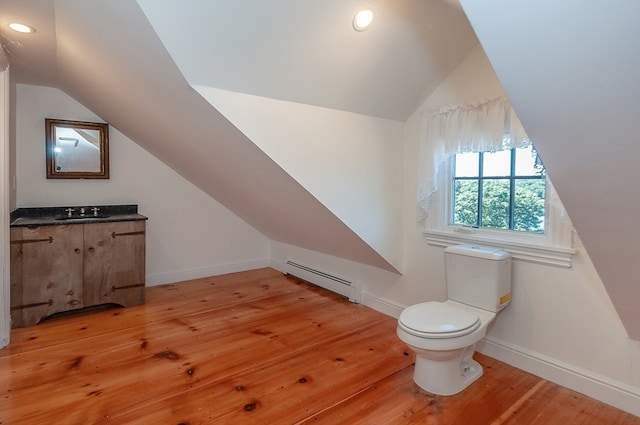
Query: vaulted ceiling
<point x="300" y="51"/>
<point x="307" y="51"/>
<point x="572" y="72"/>
<point x="107" y="54"/>
<point x="569" y="68"/>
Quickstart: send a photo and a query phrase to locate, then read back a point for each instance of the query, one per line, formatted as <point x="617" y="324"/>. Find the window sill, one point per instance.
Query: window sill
<point x="532" y="253"/>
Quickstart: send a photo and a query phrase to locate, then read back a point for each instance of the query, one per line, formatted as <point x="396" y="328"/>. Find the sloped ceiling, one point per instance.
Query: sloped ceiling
<point x="33" y="58"/>
<point x="572" y="72"/>
<point x="308" y="52"/>
<point x="107" y="55"/>
<point x="126" y="77"/>
<point x="300" y="51"/>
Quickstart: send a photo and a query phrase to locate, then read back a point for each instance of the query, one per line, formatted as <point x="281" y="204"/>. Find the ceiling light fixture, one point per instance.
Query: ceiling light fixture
<point x="26" y="29"/>
<point x="362" y="20"/>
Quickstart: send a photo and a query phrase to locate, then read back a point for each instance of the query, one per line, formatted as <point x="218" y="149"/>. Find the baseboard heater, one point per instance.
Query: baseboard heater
<point x="342" y="286"/>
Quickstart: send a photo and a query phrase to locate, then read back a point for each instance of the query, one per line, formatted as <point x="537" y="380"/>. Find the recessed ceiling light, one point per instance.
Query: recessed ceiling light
<point x="16" y="26"/>
<point x="362" y="19"/>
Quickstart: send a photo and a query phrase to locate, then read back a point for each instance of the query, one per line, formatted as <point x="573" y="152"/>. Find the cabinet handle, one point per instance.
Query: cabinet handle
<point x="49" y="239"/>
<point x="114" y="234"/>
<point x="91" y="249"/>
<point x="115" y="288"/>
<point x="20" y="307"/>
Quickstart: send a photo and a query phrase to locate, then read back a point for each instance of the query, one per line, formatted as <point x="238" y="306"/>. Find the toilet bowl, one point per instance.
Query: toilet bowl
<point x="443" y="337"/>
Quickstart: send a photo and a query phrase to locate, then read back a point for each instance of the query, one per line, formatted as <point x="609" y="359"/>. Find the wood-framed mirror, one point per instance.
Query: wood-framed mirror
<point x="76" y="149"/>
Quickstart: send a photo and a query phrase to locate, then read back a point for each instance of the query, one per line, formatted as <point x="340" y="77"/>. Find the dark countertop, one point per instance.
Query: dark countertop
<point x="55" y="216"/>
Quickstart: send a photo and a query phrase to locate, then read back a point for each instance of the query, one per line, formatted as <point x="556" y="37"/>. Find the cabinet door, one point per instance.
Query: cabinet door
<point x="46" y="274"/>
<point x="114" y="263"/>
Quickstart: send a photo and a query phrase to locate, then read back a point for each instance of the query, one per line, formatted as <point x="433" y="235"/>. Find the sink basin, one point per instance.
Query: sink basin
<point x="82" y="217"/>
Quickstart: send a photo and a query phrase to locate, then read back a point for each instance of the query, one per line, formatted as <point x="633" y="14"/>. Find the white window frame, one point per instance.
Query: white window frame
<point x="554" y="247"/>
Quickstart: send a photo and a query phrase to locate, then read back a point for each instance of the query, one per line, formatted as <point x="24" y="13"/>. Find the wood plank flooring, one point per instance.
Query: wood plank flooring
<point x="254" y="348"/>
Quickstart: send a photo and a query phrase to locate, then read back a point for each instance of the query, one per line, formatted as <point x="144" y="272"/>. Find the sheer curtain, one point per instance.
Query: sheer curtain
<point x="487" y="125"/>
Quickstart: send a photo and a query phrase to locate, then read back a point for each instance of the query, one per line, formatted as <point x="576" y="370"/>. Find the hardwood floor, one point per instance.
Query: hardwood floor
<point x="254" y="348"/>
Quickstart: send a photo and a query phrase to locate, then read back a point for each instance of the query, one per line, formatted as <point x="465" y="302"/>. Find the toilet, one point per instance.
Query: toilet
<point x="443" y="335"/>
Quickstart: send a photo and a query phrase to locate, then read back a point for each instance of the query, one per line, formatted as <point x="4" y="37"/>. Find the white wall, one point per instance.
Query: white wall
<point x="351" y="163"/>
<point x="560" y="325"/>
<point x="177" y="210"/>
<point x="5" y="322"/>
<point x="577" y="93"/>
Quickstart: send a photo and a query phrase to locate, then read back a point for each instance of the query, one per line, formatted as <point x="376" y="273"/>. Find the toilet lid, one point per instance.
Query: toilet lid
<point x="438" y="320"/>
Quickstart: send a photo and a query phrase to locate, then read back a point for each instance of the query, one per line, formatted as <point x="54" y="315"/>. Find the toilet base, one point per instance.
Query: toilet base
<point x="447" y="377"/>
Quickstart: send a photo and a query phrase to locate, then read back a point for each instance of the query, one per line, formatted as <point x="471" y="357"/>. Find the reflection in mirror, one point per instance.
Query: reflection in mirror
<point x="77" y="150"/>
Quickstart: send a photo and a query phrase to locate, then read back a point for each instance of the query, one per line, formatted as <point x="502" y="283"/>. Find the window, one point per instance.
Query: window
<point x="499" y="190"/>
<point x="501" y="199"/>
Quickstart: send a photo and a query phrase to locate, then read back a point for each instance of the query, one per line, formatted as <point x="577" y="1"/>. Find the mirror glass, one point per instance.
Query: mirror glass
<point x="77" y="149"/>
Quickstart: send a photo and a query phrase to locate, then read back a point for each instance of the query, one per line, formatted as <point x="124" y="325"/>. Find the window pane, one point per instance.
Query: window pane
<point x="496" y="164"/>
<point x="528" y="214"/>
<point x="466" y="202"/>
<point x="495" y="204"/>
<point x="494" y="198"/>
<point x="467" y="164"/>
<point x="525" y="162"/>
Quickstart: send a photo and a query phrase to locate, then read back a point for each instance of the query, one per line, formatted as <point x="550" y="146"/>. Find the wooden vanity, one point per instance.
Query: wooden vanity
<point x="61" y="262"/>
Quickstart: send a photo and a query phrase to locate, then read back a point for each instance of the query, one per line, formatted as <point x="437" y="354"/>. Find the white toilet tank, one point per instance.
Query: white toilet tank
<point x="478" y="276"/>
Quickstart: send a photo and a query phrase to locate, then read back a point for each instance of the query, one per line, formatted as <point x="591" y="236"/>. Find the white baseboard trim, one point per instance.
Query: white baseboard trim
<point x="607" y="390"/>
<point x="161" y="279"/>
<point x="620" y="395"/>
<point x="382" y="305"/>
<point x="277" y="264"/>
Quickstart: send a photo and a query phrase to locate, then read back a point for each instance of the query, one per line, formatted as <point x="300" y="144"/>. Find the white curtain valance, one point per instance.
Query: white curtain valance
<point x="486" y="125"/>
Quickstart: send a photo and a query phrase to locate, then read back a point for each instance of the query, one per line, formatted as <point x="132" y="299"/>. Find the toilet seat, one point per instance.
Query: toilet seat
<point x="437" y="320"/>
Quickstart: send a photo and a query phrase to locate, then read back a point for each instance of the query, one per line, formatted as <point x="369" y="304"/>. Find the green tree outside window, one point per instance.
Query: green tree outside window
<point x="502" y="190"/>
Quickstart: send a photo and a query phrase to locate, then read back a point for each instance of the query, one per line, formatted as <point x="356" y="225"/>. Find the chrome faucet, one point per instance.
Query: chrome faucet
<point x="95" y="211"/>
<point x="69" y="211"/>
<point x="81" y="212"/>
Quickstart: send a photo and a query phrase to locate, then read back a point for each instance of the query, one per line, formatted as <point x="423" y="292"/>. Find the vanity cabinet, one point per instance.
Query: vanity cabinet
<point x="67" y="267"/>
